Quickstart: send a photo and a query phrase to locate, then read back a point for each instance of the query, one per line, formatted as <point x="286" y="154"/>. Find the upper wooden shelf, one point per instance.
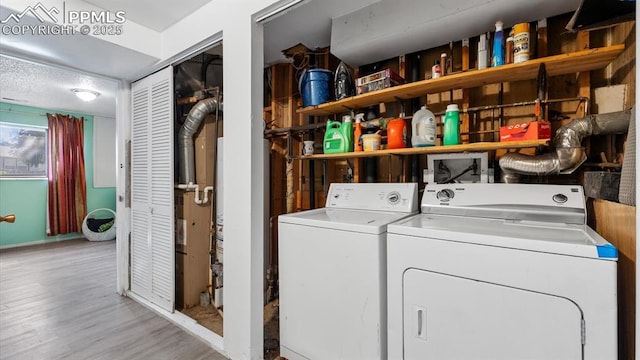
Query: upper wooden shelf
<point x="479" y="146"/>
<point x="584" y="60"/>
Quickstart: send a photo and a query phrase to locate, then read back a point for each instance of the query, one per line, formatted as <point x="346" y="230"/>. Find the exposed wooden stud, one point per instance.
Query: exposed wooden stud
<point x="290" y="195"/>
<point x="289" y="94"/>
<point x="464" y="117"/>
<point x="542" y="38"/>
<point x="584" y="79"/>
<point x="402" y="66"/>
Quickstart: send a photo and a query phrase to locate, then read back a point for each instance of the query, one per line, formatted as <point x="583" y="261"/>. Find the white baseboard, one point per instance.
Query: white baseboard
<point x="188" y="324"/>
<point x="39" y="242"/>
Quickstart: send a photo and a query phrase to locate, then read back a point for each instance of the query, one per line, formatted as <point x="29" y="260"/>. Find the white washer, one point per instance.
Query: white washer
<point x="333" y="272"/>
<point x="501" y="271"/>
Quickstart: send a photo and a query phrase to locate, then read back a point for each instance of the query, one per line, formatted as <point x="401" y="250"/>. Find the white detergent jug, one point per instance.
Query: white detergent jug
<point x="423" y="128"/>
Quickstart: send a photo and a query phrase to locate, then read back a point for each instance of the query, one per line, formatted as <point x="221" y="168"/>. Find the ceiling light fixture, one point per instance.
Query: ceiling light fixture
<point x="86" y="95"/>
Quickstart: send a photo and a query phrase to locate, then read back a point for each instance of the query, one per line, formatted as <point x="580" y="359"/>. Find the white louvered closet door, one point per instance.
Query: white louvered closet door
<point x="152" y="242"/>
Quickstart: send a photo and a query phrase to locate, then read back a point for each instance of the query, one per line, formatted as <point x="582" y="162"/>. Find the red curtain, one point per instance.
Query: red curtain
<point x="67" y="192"/>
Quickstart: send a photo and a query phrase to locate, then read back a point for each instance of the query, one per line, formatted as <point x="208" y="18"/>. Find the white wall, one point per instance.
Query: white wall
<point x="104" y="154"/>
<point x="243" y="159"/>
<point x="243" y="166"/>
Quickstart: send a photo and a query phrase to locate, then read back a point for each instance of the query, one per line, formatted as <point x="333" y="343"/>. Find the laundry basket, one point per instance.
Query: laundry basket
<point x="92" y="235"/>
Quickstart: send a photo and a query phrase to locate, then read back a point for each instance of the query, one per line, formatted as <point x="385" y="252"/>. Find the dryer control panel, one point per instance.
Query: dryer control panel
<point x="534" y="202"/>
<point x="398" y="197"/>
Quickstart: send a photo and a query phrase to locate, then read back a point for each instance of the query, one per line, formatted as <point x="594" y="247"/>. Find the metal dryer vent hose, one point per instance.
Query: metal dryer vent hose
<point x="569" y="154"/>
<point x="203" y="108"/>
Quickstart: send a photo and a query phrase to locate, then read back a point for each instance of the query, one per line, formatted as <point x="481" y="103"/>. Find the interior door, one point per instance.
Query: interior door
<point x="449" y="317"/>
<point x="152" y="243"/>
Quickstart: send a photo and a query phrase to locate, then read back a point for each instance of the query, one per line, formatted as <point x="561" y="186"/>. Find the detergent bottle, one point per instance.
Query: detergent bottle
<point x="423" y="128"/>
<point x="451" y="128"/>
<point x="397" y="133"/>
<point x="338" y="137"/>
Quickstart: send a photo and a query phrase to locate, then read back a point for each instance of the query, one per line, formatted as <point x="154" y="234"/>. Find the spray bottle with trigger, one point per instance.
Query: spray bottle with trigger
<point x="357" y="133"/>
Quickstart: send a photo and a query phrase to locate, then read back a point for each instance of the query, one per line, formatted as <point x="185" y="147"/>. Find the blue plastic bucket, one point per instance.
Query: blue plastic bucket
<point x="314" y="86"/>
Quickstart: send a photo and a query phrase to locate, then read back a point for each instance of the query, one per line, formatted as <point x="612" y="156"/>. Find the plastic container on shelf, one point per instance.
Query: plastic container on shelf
<point x="397" y="133"/>
<point x="508" y="51"/>
<point x="482" y="52"/>
<point x="451" y="128"/>
<point x="371" y="142"/>
<point x="423" y="128"/>
<point x="521" y="47"/>
<point x="338" y="137"/>
<point x="497" y="57"/>
<point x="435" y="70"/>
<point x="314" y="86"/>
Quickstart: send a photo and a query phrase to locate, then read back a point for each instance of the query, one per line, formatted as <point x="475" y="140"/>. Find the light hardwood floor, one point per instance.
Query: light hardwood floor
<point x="58" y="301"/>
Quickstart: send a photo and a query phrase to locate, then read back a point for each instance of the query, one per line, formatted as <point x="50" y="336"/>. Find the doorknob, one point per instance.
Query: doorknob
<point x="8" y="218"/>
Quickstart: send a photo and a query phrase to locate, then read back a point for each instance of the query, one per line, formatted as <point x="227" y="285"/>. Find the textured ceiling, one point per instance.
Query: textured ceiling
<point x="31" y="84"/>
<point x="154" y="14"/>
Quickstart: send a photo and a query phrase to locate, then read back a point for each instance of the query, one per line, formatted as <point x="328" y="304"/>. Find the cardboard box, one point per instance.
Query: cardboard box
<point x="377" y="81"/>
<point x="193" y="244"/>
<point x="383" y="74"/>
<point x="526" y="131"/>
<point x="192" y="278"/>
<point x="375" y="85"/>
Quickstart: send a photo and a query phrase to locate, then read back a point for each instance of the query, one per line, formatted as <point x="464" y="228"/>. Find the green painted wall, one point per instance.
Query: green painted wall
<point x="28" y="198"/>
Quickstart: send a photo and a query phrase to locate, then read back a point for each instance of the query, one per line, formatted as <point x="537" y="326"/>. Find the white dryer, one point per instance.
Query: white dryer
<point x="332" y="266"/>
<point x="501" y="271"/>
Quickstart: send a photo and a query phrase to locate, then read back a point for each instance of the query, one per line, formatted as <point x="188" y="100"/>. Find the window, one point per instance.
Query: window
<point x="23" y="151"/>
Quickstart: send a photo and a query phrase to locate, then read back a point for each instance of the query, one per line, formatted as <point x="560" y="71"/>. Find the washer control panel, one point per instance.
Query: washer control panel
<point x="400" y="197"/>
<point x="555" y="203"/>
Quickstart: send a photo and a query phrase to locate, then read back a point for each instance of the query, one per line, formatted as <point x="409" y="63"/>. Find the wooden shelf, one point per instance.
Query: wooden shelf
<point x="584" y="60"/>
<point x="479" y="146"/>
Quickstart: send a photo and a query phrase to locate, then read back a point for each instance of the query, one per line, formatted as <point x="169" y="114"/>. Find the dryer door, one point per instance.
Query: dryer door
<point x="449" y="317"/>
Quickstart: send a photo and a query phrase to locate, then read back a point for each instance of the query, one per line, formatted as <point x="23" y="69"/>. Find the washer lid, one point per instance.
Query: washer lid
<point x="363" y="221"/>
<point x="563" y="239"/>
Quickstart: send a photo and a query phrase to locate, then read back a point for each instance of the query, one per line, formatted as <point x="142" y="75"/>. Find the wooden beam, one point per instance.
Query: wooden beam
<point x="584" y="79"/>
<point x="542" y="38"/>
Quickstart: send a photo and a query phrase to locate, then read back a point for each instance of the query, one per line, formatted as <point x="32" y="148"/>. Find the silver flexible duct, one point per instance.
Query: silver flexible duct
<point x="568" y="155"/>
<point x="185" y="137"/>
